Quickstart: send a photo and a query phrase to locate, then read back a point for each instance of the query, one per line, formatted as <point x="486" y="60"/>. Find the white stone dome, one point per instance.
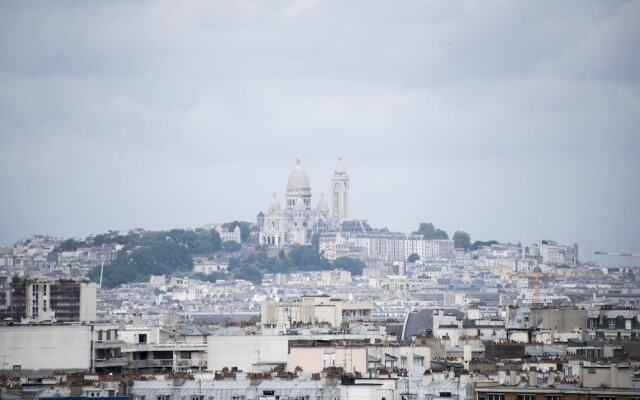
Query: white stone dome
<point x="299" y="204"/>
<point x="298" y="179"/>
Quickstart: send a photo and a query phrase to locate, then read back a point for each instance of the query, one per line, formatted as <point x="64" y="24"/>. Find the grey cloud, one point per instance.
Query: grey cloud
<point x="514" y="120"/>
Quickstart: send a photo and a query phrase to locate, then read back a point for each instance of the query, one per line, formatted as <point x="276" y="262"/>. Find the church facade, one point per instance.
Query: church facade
<point x="297" y="221"/>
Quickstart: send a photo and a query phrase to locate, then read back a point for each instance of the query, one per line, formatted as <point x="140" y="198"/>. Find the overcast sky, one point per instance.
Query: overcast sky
<point x="514" y="121"/>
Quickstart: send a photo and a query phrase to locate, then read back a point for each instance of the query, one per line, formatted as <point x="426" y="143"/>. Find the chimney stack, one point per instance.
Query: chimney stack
<point x="533" y="376"/>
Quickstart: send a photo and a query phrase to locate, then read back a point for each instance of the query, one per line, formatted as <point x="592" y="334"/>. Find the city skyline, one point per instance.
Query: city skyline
<point x="513" y="123"/>
<point x="320" y="200"/>
<point x="585" y="255"/>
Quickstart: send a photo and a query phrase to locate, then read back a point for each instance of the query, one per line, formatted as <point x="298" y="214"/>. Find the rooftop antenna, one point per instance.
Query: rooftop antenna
<point x="4" y="363"/>
<point x="101" y="271"/>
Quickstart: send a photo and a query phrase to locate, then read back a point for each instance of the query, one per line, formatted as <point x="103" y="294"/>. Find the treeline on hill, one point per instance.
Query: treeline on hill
<point x="461" y="239"/>
<point x="98" y="240"/>
<point x="298" y="258"/>
<point x="170" y="253"/>
<point x="156" y="253"/>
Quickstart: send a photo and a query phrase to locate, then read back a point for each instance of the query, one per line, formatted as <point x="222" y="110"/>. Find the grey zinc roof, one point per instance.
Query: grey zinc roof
<point x="418" y="322"/>
<point x="298" y="386"/>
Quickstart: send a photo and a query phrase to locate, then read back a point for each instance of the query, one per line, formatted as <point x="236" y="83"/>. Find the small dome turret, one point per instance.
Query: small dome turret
<point x="274" y="206"/>
<point x="323" y="206"/>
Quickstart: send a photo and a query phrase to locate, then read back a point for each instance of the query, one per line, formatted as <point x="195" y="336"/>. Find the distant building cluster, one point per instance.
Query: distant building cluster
<point x="418" y="319"/>
<point x="36" y="255"/>
<point x="357" y="239"/>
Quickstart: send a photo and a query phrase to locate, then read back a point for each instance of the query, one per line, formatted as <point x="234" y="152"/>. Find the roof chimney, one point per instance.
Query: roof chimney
<point x="533" y="376"/>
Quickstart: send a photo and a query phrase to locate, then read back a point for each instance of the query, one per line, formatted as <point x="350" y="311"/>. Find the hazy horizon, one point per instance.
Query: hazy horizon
<point x="511" y="121"/>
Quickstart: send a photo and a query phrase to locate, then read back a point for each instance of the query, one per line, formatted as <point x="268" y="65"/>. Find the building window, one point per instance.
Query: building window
<point x="197" y="397"/>
<point x="494" y="396"/>
<point x="553" y="397"/>
<point x="606" y="398"/>
<point x="526" y="397"/>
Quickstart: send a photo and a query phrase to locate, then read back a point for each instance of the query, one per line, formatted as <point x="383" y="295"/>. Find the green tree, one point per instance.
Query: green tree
<point x="462" y="240"/>
<point x="478" y="244"/>
<point x="216" y="242"/>
<point x="231" y="246"/>
<point x="69" y="245"/>
<point x="315" y="241"/>
<point x="249" y="273"/>
<point x="151" y="258"/>
<point x="307" y="258"/>
<point x="212" y="277"/>
<point x="430" y="232"/>
<point x="413" y="257"/>
<point x="353" y="265"/>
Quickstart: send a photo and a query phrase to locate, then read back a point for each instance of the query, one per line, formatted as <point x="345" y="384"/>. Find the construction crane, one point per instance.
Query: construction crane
<point x="616" y="253"/>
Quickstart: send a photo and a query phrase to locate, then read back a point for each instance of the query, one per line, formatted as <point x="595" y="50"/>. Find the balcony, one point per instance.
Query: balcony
<point x="168" y="363"/>
<point x="193" y="363"/>
<point x="169" y="346"/>
<point x="112" y="362"/>
<point x="108" y="344"/>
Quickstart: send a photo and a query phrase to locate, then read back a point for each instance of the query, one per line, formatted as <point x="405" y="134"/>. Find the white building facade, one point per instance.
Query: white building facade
<point x="296" y="222"/>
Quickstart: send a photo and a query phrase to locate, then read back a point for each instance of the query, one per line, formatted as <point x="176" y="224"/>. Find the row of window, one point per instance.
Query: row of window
<point x="239" y="397"/>
<point x="497" y="396"/>
<point x="109" y="334"/>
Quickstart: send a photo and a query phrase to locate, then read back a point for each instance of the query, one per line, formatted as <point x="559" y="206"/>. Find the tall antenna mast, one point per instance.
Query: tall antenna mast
<point x="101" y="271"/>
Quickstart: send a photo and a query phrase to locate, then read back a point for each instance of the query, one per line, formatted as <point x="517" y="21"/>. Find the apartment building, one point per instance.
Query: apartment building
<point x="551" y="253"/>
<point x="62" y="300"/>
<point x="321" y="309"/>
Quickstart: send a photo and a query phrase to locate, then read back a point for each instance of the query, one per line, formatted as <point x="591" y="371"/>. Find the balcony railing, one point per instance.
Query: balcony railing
<point x="175" y="346"/>
<point x="151" y="363"/>
<point x="112" y="362"/>
<point x="104" y="344"/>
